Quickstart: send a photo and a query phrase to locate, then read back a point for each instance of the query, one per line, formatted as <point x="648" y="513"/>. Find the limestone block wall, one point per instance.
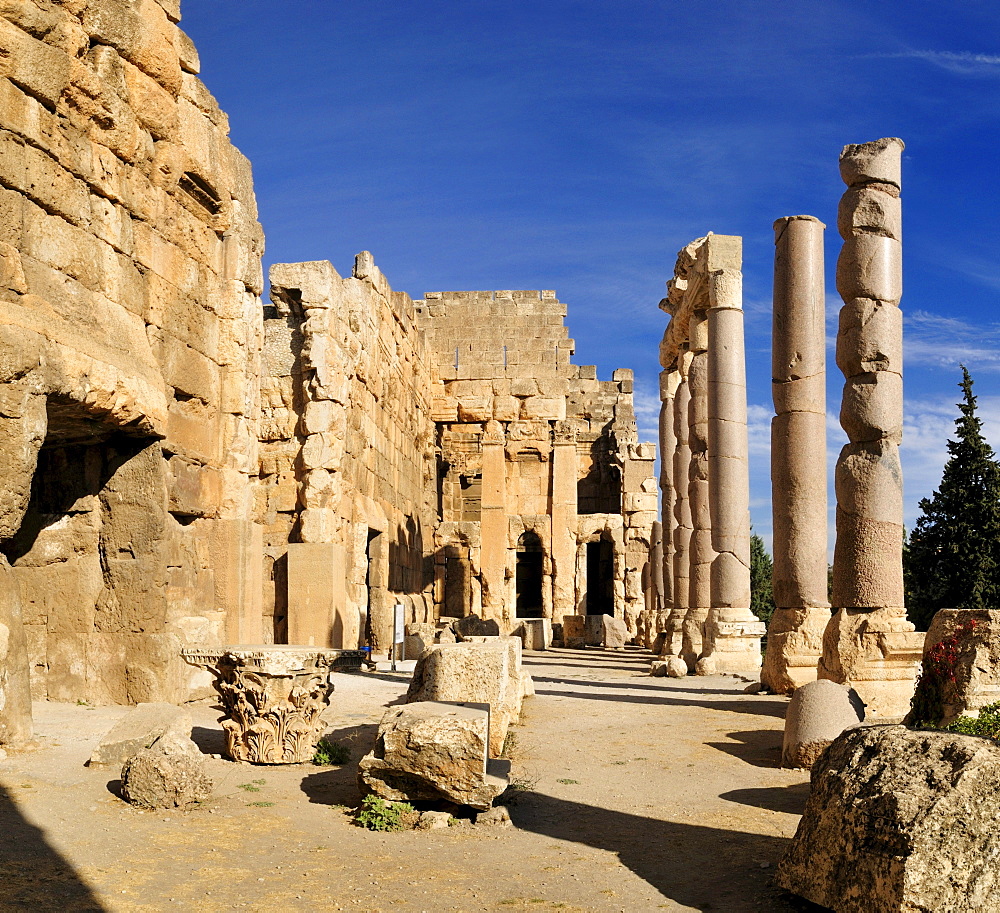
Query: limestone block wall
<point x="130" y="332"/>
<point x="531" y="447"/>
<point x="346" y="455"/>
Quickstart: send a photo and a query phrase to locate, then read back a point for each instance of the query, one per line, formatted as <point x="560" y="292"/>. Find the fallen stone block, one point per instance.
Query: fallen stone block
<point x="487" y="673"/>
<point x="973" y="678"/>
<point x="817" y="713"/>
<point x="433" y="750"/>
<point x="170" y="774"/>
<point x="574" y="631"/>
<point x="900" y="820"/>
<point x="139" y="729"/>
<point x="474" y="626"/>
<point x="614" y="633"/>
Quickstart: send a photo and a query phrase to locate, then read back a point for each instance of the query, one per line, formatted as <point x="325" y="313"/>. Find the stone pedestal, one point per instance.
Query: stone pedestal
<point x="273" y="696"/>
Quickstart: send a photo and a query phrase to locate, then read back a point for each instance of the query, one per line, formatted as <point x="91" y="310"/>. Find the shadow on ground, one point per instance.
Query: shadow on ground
<point x="684" y="862"/>
<point x="33" y="876"/>
<point x="339" y="785"/>
<point x="790" y="799"/>
<point x="759" y="747"/>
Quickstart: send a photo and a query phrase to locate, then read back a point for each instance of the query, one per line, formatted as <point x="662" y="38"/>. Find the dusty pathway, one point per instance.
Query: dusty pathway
<point x="645" y="794"/>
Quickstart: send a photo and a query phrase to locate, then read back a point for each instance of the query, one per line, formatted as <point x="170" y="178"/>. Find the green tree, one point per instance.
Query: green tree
<point x="761" y="567"/>
<point x="952" y="557"/>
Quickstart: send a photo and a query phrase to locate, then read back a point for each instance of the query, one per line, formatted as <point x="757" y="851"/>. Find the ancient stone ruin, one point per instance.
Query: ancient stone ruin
<point x="704" y="473"/>
<point x="185" y="466"/>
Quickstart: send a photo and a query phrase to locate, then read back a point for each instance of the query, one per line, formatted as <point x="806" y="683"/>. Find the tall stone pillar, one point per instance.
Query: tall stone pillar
<point x="564" y="519"/>
<point x="702" y="552"/>
<point x="868" y="642"/>
<point x="493" y="528"/>
<point x="733" y="631"/>
<point x="798" y="457"/>
<point x="668" y="444"/>
<point x="674" y="642"/>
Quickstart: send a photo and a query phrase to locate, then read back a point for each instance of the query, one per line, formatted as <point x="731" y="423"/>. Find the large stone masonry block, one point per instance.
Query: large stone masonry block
<point x="876" y="162"/>
<point x="899" y="821"/>
<point x="976" y="681"/>
<point x="484" y="673"/>
<point x="868" y="209"/>
<point x="869" y="483"/>
<point x="872" y="407"/>
<point x="871" y="549"/>
<point x="430" y="750"/>
<point x="870" y="338"/>
<point x="870" y="266"/>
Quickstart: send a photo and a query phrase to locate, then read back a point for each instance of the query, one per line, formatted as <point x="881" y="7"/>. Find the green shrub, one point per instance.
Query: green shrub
<point x="380" y="815"/>
<point x="330" y="753"/>
<point x="987" y="724"/>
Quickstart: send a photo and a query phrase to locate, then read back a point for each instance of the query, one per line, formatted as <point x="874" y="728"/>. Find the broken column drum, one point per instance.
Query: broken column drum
<point x="798" y="457"/>
<point x="869" y="643"/>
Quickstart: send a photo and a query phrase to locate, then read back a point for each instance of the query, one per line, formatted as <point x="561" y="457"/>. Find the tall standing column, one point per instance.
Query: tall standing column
<point x="733" y="632"/>
<point x="493" y="528"/>
<point x="702" y="553"/>
<point x="798" y="457"/>
<point x="564" y="519"/>
<point x="869" y="643"/>
<point x="668" y="444"/>
<point x="676" y="664"/>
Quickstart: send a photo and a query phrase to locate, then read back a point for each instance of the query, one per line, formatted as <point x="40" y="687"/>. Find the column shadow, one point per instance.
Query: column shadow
<point x="708" y="868"/>
<point x="33" y="876"/>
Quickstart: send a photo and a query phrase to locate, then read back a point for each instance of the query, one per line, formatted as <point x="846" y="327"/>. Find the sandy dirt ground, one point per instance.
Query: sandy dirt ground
<point x="640" y="794"/>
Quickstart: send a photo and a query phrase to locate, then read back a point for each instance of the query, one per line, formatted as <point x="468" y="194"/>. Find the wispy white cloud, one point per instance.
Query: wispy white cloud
<point x="961" y="63"/>
<point x="946" y="342"/>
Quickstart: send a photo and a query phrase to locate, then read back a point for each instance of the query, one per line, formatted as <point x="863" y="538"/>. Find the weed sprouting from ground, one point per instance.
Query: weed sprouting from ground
<point x="252" y="787"/>
<point x="377" y="814"/>
<point x="330" y="753"/>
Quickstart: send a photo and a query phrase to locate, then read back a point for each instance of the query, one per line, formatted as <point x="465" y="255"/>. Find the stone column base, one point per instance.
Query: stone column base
<point x="794" y="646"/>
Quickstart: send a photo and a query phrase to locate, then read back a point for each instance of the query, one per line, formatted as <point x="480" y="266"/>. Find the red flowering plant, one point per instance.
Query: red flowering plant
<point x="938" y="677"/>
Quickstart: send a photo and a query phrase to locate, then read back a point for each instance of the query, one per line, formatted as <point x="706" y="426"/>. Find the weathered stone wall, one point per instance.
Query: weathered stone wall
<point x="346" y="455"/>
<point x="536" y="457"/>
<point x="129" y="344"/>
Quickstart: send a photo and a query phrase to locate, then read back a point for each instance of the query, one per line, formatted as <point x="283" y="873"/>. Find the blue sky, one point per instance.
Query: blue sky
<point x="579" y="145"/>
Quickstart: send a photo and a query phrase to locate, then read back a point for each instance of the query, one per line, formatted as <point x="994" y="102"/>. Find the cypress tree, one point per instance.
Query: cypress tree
<point x="761" y="568"/>
<point x="952" y="558"/>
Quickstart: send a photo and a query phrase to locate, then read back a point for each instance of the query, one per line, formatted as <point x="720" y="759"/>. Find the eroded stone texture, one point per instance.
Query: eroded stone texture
<point x="139" y="729"/>
<point x="877" y="654"/>
<point x="899" y="820"/>
<point x="16" y="727"/>
<point x="483" y="673"/>
<point x="182" y="466"/>
<point x="129" y="352"/>
<point x="169" y="774"/>
<point x="976" y="682"/>
<point x="431" y="750"/>
<point x="798" y="457"/>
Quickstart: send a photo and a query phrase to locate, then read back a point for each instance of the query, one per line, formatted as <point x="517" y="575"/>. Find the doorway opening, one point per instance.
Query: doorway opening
<point x="600" y="578"/>
<point x="529" y="572"/>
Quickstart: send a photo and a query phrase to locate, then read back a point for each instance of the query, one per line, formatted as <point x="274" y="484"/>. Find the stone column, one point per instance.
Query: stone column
<point x="493" y="528"/>
<point x="702" y="553"/>
<point x="733" y="632"/>
<point x="798" y="456"/>
<point x="869" y="643"/>
<point x="564" y="519"/>
<point x="674" y="641"/>
<point x="668" y="444"/>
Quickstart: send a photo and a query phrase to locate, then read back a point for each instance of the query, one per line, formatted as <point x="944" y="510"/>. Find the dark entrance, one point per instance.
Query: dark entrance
<point x="600" y="578"/>
<point x="528" y="581"/>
